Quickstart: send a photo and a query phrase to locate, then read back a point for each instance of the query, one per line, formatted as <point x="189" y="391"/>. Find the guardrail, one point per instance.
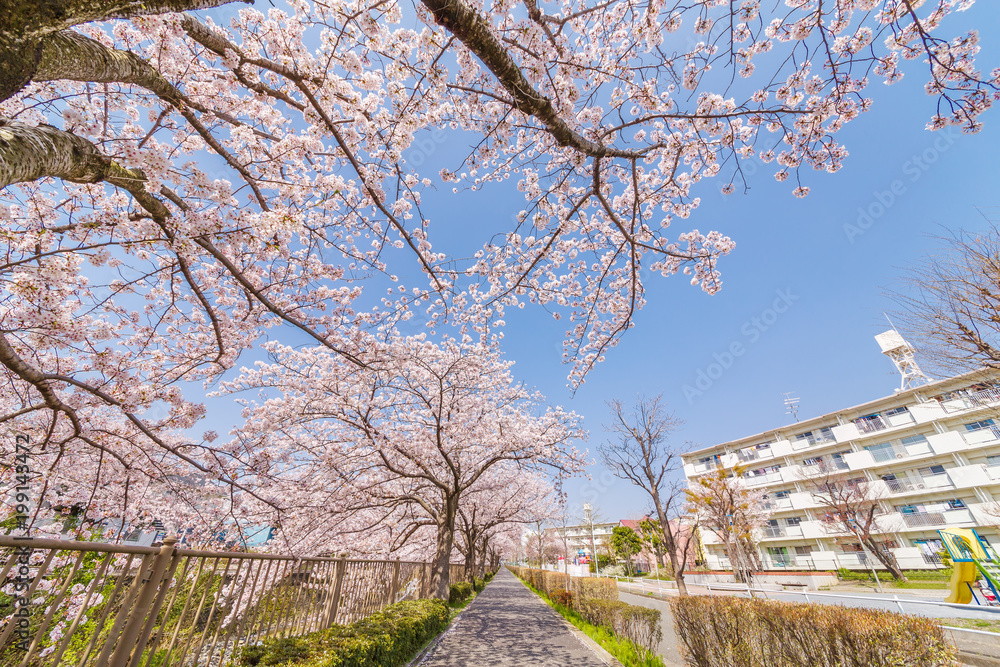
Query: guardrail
<point x="89" y="603"/>
<point x="633" y="584"/>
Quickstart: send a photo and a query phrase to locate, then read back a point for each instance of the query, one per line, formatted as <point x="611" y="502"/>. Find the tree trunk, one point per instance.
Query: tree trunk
<point x="441" y="565"/>
<point x="885" y="557"/>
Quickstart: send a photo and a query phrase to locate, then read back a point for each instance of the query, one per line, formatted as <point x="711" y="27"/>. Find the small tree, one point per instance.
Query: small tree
<point x="625" y="543"/>
<point x="725" y="506"/>
<point x="952" y="306"/>
<point x="640" y="452"/>
<point x="854" y="505"/>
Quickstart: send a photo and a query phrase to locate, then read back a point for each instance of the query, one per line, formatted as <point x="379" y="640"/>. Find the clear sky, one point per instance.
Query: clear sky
<point x="829" y="268"/>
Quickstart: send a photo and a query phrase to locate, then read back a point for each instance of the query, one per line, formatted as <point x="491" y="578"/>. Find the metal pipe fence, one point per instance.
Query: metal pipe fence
<point x="93" y="604"/>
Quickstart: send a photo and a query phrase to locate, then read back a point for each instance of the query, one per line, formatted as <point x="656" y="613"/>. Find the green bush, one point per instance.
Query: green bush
<point x="459" y="592"/>
<point x="741" y="632"/>
<point x="478" y="584"/>
<point x="920" y="575"/>
<point x="388" y="638"/>
<point x="639" y="625"/>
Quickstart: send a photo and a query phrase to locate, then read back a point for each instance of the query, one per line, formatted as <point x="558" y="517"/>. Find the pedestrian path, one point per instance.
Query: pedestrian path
<point x="508" y="625"/>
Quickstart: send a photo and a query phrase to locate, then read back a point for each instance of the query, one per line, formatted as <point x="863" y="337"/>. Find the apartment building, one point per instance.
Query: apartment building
<point x="581" y="539"/>
<point x="931" y="454"/>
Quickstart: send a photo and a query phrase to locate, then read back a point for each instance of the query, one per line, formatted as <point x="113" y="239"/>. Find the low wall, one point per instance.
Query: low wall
<point x="811" y="580"/>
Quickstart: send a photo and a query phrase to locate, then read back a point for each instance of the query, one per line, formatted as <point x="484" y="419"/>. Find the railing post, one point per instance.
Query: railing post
<point x="330" y="615"/>
<point x="128" y="640"/>
<point x="394" y="589"/>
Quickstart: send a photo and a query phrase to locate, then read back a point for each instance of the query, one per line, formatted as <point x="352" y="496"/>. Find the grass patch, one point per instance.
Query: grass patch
<point x="624" y="650"/>
<point x="924" y="585"/>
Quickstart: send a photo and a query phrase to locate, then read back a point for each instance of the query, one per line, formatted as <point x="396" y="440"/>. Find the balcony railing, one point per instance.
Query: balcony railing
<point x="973" y="400"/>
<point x="883" y="454"/>
<point x="920" y="519"/>
<point x="871" y="424"/>
<point x="900" y="485"/>
<point x="769" y="478"/>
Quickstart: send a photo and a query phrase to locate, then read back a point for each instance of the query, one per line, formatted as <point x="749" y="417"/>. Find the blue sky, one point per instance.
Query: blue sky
<point x="829" y="268"/>
<point x="818" y="260"/>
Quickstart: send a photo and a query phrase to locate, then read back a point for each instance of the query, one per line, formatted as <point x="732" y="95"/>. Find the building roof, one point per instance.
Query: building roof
<point x="904" y="397"/>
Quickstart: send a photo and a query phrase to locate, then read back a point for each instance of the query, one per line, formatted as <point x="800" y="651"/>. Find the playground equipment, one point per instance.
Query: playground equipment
<point x="972" y="557"/>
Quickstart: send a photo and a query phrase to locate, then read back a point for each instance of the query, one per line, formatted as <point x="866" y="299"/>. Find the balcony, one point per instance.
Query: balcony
<point x="939" y="481"/>
<point x="778" y="504"/>
<point x="923" y="519"/>
<point x="871" y="424"/>
<point x="974" y="400"/>
<point x="891" y="453"/>
<point x="982" y="435"/>
<point x="773" y="531"/>
<point x="769" y="478"/>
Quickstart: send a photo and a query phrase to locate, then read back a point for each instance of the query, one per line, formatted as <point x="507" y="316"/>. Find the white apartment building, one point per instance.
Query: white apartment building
<point x="930" y="453"/>
<point x="581" y="539"/>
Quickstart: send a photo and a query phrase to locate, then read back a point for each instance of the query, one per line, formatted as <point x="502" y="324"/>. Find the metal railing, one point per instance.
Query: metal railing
<point x="734" y="587"/>
<point x="871" y="424"/>
<point x="883" y="454"/>
<point x="918" y="519"/>
<point x="89" y="603"/>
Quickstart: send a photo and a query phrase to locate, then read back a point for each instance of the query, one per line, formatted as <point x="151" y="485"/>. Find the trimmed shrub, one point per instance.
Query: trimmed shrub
<point x="565" y="598"/>
<point x="478" y="584"/>
<point x="741" y="632"/>
<point x="459" y="591"/>
<point x="388" y="638"/>
<point x="639" y="625"/>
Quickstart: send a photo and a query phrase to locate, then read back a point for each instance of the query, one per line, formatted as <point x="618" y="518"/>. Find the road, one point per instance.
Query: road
<point x="929" y="605"/>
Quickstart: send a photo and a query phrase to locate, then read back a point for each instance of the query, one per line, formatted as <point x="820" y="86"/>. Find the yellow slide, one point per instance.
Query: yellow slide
<point x="971" y="559"/>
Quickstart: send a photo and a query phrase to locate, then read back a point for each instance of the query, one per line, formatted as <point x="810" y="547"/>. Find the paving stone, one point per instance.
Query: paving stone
<point x="508" y="625"/>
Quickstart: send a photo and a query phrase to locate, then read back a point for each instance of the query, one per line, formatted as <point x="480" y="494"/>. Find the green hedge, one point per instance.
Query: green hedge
<point x="459" y="591"/>
<point x="741" y="632"/>
<point x="387" y="638"/>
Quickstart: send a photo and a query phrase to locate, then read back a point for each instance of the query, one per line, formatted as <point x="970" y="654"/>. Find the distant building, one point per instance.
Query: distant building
<point x="582" y="539"/>
<point x="931" y="452"/>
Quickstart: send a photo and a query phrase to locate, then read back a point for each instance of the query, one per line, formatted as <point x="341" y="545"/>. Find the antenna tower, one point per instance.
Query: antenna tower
<point x="791" y="405"/>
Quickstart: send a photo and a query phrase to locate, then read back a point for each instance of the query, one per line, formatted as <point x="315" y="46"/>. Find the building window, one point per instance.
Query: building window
<point x="896" y="411"/>
<point x="930" y="471"/>
<point x="803" y="551"/>
<point x="786" y="493"/>
<point x="913" y="440"/>
<point x="993" y="460"/>
<point x="793" y="520"/>
<point x="956" y="504"/>
<point x="980" y="425"/>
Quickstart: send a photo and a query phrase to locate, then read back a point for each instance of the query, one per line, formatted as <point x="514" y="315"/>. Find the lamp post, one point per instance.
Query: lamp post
<point x="593" y="540"/>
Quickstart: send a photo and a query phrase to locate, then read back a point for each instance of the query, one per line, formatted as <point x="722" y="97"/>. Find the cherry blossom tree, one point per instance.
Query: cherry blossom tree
<point x="505" y="495"/>
<point x="174" y="186"/>
<point x="733" y="511"/>
<point x="427" y="428"/>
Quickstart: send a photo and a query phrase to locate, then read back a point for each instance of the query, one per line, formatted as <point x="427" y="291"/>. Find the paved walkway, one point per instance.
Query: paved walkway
<point x="508" y="625"/>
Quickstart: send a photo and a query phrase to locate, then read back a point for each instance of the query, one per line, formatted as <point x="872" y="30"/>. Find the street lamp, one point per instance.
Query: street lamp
<point x="593" y="540"/>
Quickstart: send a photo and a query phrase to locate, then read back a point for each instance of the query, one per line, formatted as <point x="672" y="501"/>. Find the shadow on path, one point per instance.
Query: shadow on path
<point x="505" y="625"/>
